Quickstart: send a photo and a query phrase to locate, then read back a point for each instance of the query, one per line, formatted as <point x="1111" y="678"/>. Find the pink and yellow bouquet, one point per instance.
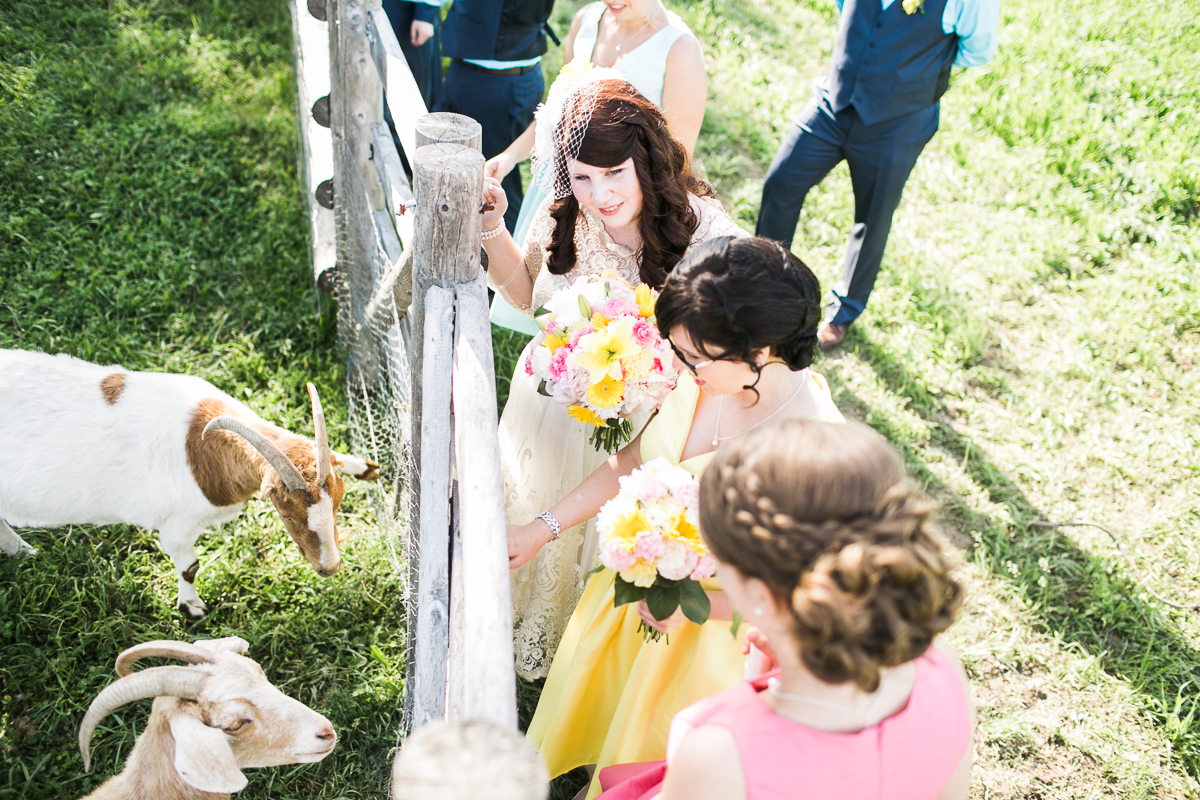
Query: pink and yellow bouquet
<point x="599" y="352"/>
<point x="650" y="537"/>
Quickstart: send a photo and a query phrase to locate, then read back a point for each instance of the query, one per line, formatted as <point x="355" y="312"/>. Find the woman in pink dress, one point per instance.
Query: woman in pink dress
<point x="826" y="548"/>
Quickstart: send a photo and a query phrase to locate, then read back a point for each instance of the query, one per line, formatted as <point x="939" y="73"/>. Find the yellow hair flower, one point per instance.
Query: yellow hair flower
<point x="607" y="393"/>
<point x="645" y="300"/>
<point x="600" y="353"/>
<point x="641" y="574"/>
<point x="585" y="415"/>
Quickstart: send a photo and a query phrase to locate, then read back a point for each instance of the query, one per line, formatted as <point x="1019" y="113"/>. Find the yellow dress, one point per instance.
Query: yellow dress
<point x="610" y="695"/>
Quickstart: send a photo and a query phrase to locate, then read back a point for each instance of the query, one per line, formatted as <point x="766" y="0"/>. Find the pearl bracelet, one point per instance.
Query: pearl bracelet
<point x="551" y="523"/>
<point x="493" y="233"/>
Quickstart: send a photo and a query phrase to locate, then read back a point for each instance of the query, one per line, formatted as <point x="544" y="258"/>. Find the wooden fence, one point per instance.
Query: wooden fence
<point x="404" y="261"/>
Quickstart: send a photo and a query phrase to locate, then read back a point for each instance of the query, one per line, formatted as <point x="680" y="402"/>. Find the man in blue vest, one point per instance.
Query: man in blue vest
<point x="495" y="75"/>
<point x="877" y="108"/>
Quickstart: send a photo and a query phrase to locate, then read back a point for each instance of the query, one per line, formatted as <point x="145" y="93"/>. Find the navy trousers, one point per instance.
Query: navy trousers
<point x="880" y="158"/>
<point x="504" y="106"/>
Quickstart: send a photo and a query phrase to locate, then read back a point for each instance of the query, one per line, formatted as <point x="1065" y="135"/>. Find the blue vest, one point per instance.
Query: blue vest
<point x="889" y="63"/>
<point x="500" y="30"/>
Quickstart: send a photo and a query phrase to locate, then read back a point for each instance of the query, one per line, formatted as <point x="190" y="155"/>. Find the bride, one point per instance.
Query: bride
<point x="622" y="197"/>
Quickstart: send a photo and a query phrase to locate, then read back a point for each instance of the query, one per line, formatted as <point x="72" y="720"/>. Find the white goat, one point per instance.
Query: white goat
<point x="85" y="444"/>
<point x="209" y="721"/>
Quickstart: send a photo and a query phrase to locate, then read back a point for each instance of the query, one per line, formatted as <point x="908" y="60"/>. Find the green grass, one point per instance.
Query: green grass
<point x="150" y="216"/>
<point x="1032" y="349"/>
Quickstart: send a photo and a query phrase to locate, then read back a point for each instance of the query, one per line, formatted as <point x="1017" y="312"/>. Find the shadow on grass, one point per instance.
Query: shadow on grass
<point x="1084" y="599"/>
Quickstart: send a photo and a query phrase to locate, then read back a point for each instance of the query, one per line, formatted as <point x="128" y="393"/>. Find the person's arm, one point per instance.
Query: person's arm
<point x="506" y="262"/>
<point x="685" y="91"/>
<point x="577" y="507"/>
<point x="977" y="23"/>
<point x="500" y="165"/>
<point x="957" y="788"/>
<point x="706" y="767"/>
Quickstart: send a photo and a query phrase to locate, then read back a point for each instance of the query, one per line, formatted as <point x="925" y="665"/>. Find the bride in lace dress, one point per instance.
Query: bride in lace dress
<point x="622" y="197"/>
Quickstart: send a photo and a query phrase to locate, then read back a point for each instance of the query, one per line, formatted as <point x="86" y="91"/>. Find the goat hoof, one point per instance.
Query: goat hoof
<point x="193" y="610"/>
<point x="25" y="551"/>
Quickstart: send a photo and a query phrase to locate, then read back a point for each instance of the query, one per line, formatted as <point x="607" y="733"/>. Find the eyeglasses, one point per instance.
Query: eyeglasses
<point x="692" y="367"/>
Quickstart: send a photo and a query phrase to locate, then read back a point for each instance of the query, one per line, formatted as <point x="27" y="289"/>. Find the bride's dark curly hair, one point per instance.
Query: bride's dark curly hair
<point x="736" y="296"/>
<point x="823" y="514"/>
<point x="625" y="125"/>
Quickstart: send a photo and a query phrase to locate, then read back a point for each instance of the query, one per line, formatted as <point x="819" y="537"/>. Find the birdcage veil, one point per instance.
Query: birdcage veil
<point x="561" y="124"/>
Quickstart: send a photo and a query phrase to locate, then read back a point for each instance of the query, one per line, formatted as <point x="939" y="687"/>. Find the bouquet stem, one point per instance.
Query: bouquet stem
<point x="652" y="634"/>
<point x="613" y="436"/>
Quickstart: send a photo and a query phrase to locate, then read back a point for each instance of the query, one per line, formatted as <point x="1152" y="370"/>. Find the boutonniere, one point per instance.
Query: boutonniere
<point x="913" y="6"/>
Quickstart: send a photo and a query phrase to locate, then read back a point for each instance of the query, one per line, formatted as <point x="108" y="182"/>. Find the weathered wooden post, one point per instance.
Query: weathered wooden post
<point x="448" y="186"/>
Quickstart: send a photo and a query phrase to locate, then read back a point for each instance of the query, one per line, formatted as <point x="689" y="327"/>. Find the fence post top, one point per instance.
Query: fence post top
<point x="448" y="156"/>
<point x="444" y="126"/>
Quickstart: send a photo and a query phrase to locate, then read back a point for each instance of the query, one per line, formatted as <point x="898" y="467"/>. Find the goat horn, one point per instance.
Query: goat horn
<point x="180" y="651"/>
<point x="291" y="476"/>
<point x="155" y="682"/>
<point x="324" y="455"/>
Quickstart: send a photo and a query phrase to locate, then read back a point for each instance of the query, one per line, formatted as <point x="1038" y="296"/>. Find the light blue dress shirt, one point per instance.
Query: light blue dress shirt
<point x="976" y="22"/>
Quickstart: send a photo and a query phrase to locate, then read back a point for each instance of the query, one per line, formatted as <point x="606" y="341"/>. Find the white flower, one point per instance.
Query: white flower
<point x="541" y="362"/>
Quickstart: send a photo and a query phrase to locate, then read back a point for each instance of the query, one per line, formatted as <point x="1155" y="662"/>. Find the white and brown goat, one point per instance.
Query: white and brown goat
<point x="85" y="444"/>
<point x="209" y="722"/>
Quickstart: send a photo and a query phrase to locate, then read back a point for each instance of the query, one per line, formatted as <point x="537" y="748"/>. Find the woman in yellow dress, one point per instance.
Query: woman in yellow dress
<point x="742" y="316"/>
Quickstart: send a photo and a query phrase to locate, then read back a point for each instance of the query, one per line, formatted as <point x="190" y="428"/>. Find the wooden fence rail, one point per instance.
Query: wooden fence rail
<point x="405" y="261"/>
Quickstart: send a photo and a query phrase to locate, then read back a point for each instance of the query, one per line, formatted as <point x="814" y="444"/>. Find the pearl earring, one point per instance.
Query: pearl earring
<point x="758" y="611"/>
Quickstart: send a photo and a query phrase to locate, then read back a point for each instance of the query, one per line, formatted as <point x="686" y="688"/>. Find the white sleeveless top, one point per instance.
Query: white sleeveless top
<point x="646" y="65"/>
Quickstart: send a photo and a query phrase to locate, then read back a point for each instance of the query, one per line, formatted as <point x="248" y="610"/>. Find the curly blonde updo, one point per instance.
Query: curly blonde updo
<point x="824" y="515"/>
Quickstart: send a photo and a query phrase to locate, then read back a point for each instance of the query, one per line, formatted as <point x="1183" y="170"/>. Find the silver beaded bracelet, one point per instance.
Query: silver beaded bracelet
<point x="551" y="523"/>
<point x="493" y="233"/>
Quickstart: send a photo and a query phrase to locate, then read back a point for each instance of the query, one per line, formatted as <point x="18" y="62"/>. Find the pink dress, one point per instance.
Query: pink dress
<point x="908" y="756"/>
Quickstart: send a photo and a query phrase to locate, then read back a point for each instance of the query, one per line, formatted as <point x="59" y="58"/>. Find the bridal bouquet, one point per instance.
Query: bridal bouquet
<point x="650" y="537"/>
<point x="599" y="352"/>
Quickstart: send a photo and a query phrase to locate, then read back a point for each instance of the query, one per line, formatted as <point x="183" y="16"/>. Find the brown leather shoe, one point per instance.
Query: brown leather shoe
<point x="830" y="335"/>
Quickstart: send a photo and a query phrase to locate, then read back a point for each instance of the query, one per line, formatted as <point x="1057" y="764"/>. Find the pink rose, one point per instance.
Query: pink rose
<point x="706" y="567"/>
<point x="645" y="333"/>
<point x="650" y="489"/>
<point x="616" y="557"/>
<point x="558" y="363"/>
<point x="649" y="546"/>
<point x="688" y="495"/>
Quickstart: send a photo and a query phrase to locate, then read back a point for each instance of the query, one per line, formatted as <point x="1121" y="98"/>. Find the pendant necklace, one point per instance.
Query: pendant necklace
<point x="628" y="39"/>
<point x="716" y="440"/>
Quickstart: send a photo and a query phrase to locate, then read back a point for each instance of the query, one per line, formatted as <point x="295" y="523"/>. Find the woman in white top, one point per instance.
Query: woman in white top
<point x="613" y="158"/>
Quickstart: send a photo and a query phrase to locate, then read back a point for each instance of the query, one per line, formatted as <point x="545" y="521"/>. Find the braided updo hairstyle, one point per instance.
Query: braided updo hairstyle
<point x="625" y="125"/>
<point x="823" y="514"/>
<point x="735" y="296"/>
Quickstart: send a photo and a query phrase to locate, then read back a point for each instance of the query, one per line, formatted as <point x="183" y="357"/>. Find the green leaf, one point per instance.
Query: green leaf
<point x="598" y="568"/>
<point x="662" y="600"/>
<point x="542" y="389"/>
<point x="694" y="601"/>
<point x="541" y="311"/>
<point x="626" y="592"/>
<point x="738" y="619"/>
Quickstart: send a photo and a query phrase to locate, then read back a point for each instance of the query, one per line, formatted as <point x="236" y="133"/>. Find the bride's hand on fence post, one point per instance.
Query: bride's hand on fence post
<point x="494" y="196"/>
<point x="524" y="541"/>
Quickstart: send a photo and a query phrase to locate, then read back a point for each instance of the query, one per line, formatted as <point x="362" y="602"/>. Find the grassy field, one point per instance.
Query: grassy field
<point x="1032" y="348"/>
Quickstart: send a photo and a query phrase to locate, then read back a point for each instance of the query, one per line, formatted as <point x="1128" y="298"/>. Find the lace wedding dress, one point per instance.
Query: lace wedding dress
<point x="544" y="453"/>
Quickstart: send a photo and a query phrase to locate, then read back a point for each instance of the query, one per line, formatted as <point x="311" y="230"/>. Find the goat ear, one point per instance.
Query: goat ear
<point x="203" y="757"/>
<point x="265" y="490"/>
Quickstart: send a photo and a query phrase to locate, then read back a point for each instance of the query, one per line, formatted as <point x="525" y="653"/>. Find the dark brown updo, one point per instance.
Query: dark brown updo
<point x="823" y="514"/>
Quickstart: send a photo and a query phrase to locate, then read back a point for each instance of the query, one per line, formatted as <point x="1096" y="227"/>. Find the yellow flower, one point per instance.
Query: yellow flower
<point x="600" y="353"/>
<point x="645" y="299"/>
<point x="554" y="342"/>
<point x="607" y="393"/>
<point x="627" y="527"/>
<point x="912" y="6"/>
<point x="638" y="366"/>
<point x="599" y="321"/>
<point x="609" y="273"/>
<point x="641" y="574"/>
<point x="585" y="415"/>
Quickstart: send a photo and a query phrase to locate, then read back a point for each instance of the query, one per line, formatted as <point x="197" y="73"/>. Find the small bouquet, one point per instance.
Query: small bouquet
<point x="599" y="352"/>
<point x="650" y="537"/>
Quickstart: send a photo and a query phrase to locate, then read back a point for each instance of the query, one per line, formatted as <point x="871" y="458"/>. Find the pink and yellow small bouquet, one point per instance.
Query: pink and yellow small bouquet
<point x="650" y="537"/>
<point x="599" y="352"/>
